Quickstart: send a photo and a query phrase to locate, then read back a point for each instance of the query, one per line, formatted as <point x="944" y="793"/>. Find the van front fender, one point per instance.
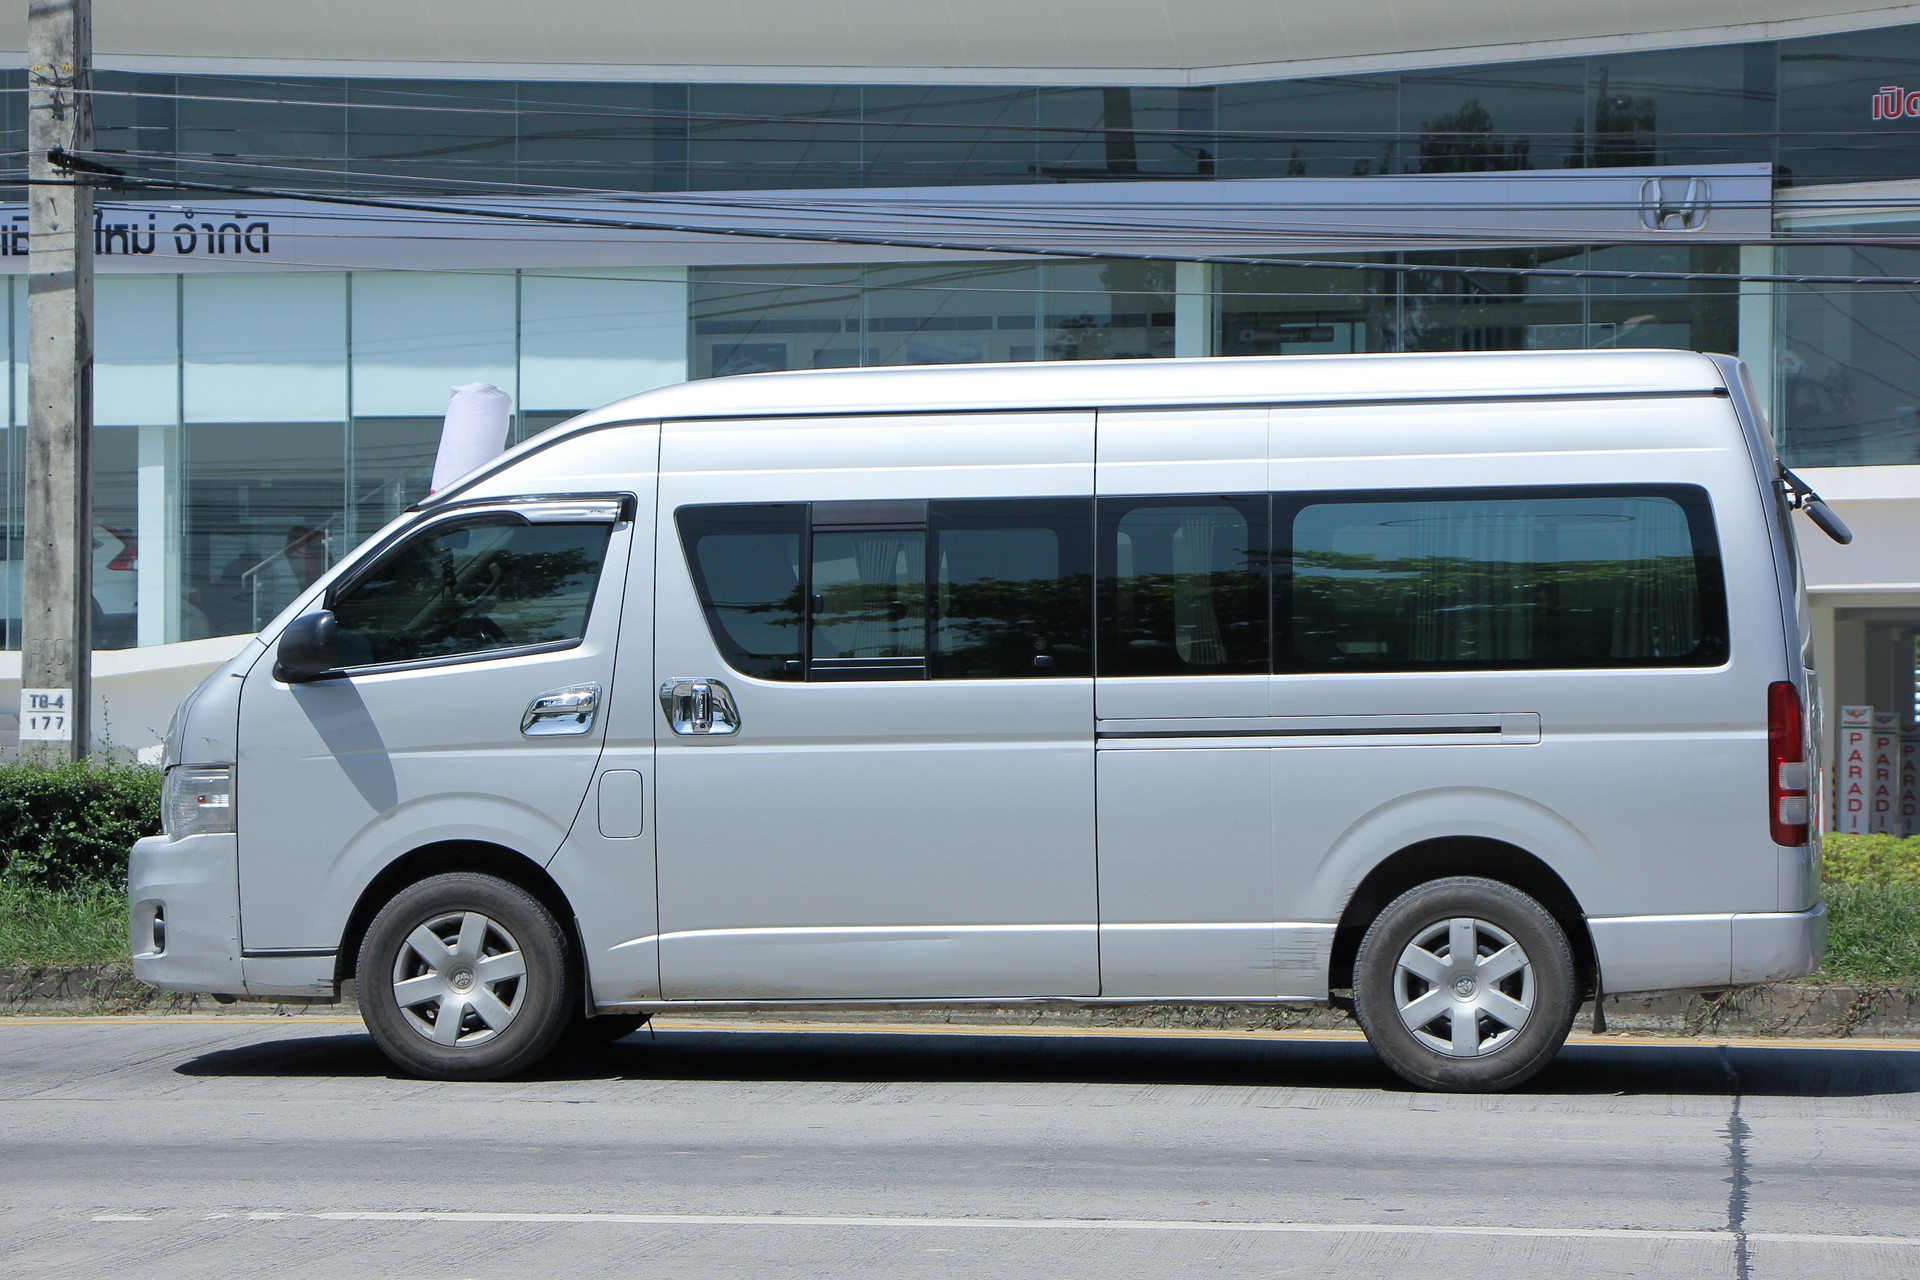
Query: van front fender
<point x="447" y="818"/>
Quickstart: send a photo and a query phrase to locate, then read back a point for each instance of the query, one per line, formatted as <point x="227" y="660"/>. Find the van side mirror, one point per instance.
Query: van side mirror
<point x="1801" y="497"/>
<point x="309" y="648"/>
<point x="1829" y="523"/>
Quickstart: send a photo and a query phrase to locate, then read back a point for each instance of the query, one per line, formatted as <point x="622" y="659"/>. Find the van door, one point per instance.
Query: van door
<point x="606" y="865"/>
<point x="1187" y="893"/>
<point x="876" y="736"/>
<point x="476" y="661"/>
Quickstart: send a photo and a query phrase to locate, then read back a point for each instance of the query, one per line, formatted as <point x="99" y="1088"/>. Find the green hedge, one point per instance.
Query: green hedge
<point x="69" y="825"/>
<point x="1871" y="860"/>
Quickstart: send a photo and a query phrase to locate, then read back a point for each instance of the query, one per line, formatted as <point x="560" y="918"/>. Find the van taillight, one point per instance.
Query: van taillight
<point x="1787" y="769"/>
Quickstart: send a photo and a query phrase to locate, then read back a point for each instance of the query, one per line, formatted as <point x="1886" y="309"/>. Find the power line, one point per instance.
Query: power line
<point x="863" y="117"/>
<point x="1009" y="249"/>
<point x="1015" y="209"/>
<point x="1317" y="221"/>
<point x="856" y="200"/>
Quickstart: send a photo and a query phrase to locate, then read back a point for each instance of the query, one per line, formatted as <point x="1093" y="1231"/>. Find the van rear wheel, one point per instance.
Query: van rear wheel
<point x="465" y="977"/>
<point x="1465" y="984"/>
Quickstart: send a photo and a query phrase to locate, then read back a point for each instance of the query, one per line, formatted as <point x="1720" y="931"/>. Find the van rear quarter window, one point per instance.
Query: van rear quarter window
<point x="1499" y="579"/>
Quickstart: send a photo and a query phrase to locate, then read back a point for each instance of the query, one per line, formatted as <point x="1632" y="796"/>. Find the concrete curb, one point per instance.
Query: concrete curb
<point x="1833" y="1012"/>
<point x="112" y="989"/>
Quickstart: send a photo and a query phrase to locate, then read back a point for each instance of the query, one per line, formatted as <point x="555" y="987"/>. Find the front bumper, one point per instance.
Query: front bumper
<point x="184" y="924"/>
<point x="1705" y="952"/>
<point x="184" y="900"/>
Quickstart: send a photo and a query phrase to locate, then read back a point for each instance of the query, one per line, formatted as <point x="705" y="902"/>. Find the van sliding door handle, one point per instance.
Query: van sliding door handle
<point x="698" y="705"/>
<point x="562" y="711"/>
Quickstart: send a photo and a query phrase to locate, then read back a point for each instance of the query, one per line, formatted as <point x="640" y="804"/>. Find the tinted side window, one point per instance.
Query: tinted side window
<point x="1012" y="588"/>
<point x="478" y="587"/>
<point x="1562" y="578"/>
<point x="869" y="602"/>
<point x="952" y="589"/>
<point x="746" y="569"/>
<point x="1183" y="586"/>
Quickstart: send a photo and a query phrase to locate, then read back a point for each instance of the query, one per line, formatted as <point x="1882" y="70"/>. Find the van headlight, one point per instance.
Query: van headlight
<point x="196" y="801"/>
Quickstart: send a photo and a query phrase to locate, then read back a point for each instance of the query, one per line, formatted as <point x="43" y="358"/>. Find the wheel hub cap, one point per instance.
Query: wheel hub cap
<point x="459" y="979"/>
<point x="1463" y="987"/>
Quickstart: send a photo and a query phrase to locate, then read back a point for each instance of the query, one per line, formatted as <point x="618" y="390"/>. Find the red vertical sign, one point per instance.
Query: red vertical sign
<point x="1853" y="776"/>
<point x="1908" y="814"/>
<point x="1883" y="789"/>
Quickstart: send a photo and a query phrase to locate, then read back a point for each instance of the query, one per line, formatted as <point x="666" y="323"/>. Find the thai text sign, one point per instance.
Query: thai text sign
<point x="1895" y="103"/>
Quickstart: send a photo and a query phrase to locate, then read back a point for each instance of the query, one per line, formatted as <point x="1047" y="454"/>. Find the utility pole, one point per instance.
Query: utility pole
<point x="56" y="647"/>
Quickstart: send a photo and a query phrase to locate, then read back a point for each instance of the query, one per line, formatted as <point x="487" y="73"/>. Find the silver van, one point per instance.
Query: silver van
<point x="1457" y="689"/>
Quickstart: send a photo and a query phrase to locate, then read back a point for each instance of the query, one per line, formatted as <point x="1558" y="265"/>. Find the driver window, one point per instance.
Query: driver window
<point x="473" y="588"/>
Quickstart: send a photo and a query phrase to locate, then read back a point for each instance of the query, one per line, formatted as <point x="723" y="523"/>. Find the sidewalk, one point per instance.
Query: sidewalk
<point x="1786" y="1010"/>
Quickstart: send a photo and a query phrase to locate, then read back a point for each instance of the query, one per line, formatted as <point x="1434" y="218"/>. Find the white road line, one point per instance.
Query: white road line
<point x="1091" y="1224"/>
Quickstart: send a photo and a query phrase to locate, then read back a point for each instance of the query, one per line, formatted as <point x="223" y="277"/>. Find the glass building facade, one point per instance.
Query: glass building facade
<point x="253" y="426"/>
<point x="249" y="429"/>
<point x="1800" y="104"/>
<point x="1848" y="356"/>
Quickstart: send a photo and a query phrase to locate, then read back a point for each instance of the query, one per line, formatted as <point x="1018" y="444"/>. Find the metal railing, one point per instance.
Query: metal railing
<point x="330" y="538"/>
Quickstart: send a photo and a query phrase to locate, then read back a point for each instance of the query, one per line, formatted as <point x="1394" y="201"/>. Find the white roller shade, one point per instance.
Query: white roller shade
<point x="586" y="339"/>
<point x="267" y="348"/>
<point x="136" y="351"/>
<point x="416" y="334"/>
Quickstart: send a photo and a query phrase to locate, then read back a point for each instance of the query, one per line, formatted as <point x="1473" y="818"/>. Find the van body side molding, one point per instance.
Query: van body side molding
<point x="1278" y="731"/>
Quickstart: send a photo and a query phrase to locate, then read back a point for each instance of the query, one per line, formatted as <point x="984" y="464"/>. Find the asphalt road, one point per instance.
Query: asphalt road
<point x="230" y="1147"/>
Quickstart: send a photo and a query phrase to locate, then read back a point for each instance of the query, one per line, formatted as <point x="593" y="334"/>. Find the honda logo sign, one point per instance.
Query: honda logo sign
<point x="1673" y="204"/>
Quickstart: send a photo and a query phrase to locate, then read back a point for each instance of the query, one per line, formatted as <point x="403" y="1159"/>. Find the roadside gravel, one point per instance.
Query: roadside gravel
<point x="1787" y="1010"/>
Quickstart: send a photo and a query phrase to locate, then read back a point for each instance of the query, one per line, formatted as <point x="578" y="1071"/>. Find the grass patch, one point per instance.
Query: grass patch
<point x="81" y="924"/>
<point x="1873" y="935"/>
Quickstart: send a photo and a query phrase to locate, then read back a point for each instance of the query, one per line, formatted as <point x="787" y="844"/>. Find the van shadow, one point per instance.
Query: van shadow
<point x="1638" y="1068"/>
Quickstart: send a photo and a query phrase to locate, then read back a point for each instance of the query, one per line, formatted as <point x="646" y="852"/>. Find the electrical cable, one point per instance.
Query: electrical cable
<point x="1014" y="213"/>
<point x="1011" y="249"/>
<point x="455" y="104"/>
<point x="1050" y="220"/>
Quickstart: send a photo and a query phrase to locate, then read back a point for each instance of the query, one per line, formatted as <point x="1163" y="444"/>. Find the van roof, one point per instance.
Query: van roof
<point x="1106" y="384"/>
<point x="1215" y="380"/>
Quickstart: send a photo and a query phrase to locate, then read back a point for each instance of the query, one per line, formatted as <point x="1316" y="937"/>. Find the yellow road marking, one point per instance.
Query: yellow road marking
<point x="676" y="1022"/>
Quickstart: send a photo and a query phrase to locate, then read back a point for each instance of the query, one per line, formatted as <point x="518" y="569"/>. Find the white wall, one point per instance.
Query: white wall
<point x="134" y="692"/>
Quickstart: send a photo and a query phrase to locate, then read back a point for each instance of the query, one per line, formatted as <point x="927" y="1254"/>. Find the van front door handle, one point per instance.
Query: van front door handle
<point x="699" y="705"/>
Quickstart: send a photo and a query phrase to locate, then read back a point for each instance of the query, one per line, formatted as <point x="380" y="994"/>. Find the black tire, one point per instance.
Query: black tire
<point x="478" y="930"/>
<point x="1470" y="1043"/>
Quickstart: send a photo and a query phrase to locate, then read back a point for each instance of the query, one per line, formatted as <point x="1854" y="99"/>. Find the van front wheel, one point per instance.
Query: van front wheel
<point x="465" y="977"/>
<point x="1465" y="984"/>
